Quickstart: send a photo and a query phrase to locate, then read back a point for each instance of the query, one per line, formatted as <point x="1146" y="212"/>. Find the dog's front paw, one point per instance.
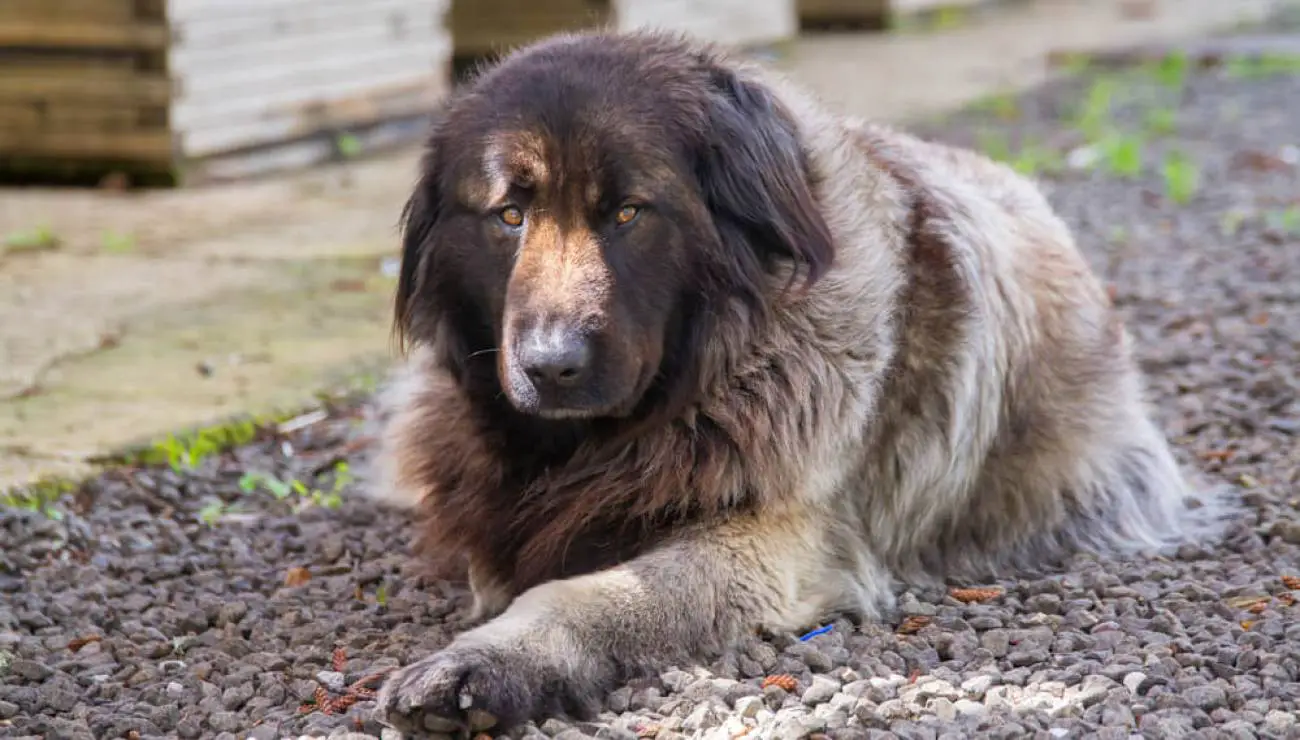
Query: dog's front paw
<point x="461" y="688"/>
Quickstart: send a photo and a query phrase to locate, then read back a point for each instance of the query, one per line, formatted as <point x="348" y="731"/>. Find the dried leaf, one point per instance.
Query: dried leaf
<point x="1246" y="602"/>
<point x="787" y="682"/>
<point x="1246" y="624"/>
<point x="1258" y="608"/>
<point x="913" y="624"/>
<point x="970" y="595"/>
<point x="78" y="643"/>
<point x="647" y="731"/>
<point x="340" y="659"/>
<point x="1291" y="582"/>
<point x="1260" y="161"/>
<point x="296" y="577"/>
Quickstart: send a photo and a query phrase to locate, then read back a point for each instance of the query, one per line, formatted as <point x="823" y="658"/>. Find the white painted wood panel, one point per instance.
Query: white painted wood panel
<point x="735" y="22"/>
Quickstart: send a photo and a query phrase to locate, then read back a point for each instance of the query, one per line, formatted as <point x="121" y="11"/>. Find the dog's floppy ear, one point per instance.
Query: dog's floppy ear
<point x="419" y="216"/>
<point x="754" y="177"/>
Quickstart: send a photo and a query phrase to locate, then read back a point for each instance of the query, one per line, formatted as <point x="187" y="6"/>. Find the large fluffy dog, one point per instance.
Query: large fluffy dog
<point x="691" y="355"/>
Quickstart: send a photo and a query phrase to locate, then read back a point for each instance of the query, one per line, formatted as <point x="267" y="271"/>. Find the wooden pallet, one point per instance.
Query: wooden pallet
<point x="185" y="88"/>
<point x="876" y="14"/>
<point x="487" y="28"/>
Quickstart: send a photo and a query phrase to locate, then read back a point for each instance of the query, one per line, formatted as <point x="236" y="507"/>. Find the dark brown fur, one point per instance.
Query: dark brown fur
<point x="536" y="499"/>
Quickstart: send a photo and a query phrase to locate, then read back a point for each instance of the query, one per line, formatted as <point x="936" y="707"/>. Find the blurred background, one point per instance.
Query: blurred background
<point x="198" y="198"/>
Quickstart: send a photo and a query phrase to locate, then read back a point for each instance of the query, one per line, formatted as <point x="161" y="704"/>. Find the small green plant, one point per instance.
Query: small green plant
<point x="212" y="511"/>
<point x="118" y="243"/>
<point x="1171" y="71"/>
<point x="349" y="145"/>
<point x="1264" y="65"/>
<point x="41" y="497"/>
<point x="187" y="451"/>
<point x="1122" y="155"/>
<point x="1181" y="176"/>
<point x="303" y="494"/>
<point x="39" y="239"/>
<point x="381" y="594"/>
<point x="1094" y="116"/>
<point x="1285" y="221"/>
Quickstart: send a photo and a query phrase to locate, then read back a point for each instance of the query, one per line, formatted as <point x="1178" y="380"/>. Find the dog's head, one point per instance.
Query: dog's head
<point x="584" y="210"/>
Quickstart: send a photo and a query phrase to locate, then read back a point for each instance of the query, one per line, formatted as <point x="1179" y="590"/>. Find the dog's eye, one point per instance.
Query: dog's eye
<point x="512" y="217"/>
<point x="626" y="215"/>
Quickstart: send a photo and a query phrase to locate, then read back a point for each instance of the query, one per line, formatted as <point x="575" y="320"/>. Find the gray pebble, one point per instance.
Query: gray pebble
<point x="821" y="690"/>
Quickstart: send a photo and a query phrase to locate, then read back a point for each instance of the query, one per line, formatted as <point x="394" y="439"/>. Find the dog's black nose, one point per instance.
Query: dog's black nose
<point x="555" y="359"/>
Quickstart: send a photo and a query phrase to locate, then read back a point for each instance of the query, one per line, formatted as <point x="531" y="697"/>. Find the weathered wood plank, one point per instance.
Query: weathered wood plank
<point x="180" y="11"/>
<point x="149" y="146"/>
<point x="734" y="22"/>
<point x="139" y="36"/>
<point x="64" y="11"/>
<point x="367" y="106"/>
<point x="367" y="35"/>
<point x="93" y="87"/>
<point x="272" y="23"/>
<point x="300" y="79"/>
<point x="77" y="116"/>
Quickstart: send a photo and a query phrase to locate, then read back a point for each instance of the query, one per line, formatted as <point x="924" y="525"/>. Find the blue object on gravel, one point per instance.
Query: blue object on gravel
<point x="814" y="633"/>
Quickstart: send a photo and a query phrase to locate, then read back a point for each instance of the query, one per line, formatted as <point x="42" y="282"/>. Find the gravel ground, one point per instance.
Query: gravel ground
<point x="166" y="604"/>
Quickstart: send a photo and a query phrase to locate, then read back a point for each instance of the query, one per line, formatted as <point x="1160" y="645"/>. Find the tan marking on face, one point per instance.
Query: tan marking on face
<point x="561" y="275"/>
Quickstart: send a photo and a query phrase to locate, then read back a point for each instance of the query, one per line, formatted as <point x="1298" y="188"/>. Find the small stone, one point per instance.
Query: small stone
<point x="969" y="708"/>
<point x="553" y="727"/>
<point x="264" y="731"/>
<point x="388" y="733"/>
<point x="975" y="686"/>
<point x="332" y="680"/>
<point x="480" y="720"/>
<point x="1208" y="698"/>
<point x="943" y="709"/>
<point x="225" y="721"/>
<point x="1133" y="681"/>
<point x="821" y="690"/>
<point x="175" y="690"/>
<point x="8" y="709"/>
<point x="748" y="706"/>
<point x="30" y="670"/>
<point x="1280" y="722"/>
<point x="620" y="700"/>
<point x="705" y="717"/>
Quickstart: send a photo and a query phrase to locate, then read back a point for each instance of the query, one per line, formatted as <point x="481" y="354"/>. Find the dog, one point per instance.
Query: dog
<point x="691" y="355"/>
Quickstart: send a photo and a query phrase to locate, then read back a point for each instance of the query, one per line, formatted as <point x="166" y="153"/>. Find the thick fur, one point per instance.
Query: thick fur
<point x="876" y="359"/>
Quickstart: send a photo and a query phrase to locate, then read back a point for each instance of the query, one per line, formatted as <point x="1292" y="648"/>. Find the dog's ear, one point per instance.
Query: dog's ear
<point x="754" y="176"/>
<point x="419" y="217"/>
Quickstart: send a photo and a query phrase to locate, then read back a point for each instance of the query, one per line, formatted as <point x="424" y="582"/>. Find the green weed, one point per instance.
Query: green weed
<point x="1122" y="154"/>
<point x="1094" y="116"/>
<point x="186" y="452"/>
<point x="1171" y="71"/>
<point x="41" y="497"/>
<point x="1264" y="65"/>
<point x="303" y="495"/>
<point x="39" y="239"/>
<point x="1181" y="176"/>
<point x="1286" y="221"/>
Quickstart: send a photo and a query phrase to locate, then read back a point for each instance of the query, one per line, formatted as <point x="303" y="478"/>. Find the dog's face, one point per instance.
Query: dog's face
<point x="583" y="205"/>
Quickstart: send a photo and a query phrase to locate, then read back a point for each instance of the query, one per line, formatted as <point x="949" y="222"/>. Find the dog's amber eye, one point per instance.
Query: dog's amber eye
<point x="512" y="216"/>
<point x="626" y="215"/>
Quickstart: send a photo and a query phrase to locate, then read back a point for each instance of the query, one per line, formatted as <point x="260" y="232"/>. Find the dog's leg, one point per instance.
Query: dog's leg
<point x="559" y="647"/>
